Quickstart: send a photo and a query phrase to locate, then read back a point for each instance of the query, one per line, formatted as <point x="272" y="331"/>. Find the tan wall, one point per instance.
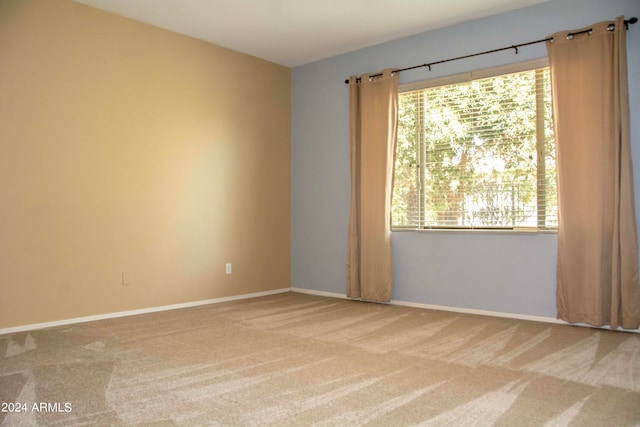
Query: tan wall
<point x="127" y="148"/>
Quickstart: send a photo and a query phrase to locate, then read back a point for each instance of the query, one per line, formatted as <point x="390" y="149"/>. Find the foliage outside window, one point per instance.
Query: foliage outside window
<point x="477" y="155"/>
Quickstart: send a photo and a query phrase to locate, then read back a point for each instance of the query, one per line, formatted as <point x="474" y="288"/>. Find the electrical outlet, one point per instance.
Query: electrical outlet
<point x="125" y="279"/>
<point x="228" y="268"/>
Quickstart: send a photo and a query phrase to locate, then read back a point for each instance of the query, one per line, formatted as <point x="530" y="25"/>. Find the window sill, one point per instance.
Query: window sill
<point x="510" y="231"/>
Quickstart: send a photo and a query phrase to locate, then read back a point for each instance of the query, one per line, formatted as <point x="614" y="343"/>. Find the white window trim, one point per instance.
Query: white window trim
<point x="467" y="77"/>
<point x="475" y="75"/>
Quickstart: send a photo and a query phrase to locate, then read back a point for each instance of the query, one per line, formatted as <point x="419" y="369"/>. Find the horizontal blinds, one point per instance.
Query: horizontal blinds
<point x="478" y="154"/>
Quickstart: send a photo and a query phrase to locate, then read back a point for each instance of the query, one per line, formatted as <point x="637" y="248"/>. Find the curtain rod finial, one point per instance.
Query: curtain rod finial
<point x="631" y="20"/>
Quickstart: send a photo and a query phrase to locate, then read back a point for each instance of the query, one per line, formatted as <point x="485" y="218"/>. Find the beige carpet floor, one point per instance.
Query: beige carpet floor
<point x="296" y="359"/>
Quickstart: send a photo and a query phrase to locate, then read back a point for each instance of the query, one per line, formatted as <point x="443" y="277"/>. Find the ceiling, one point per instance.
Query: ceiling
<point x="296" y="32"/>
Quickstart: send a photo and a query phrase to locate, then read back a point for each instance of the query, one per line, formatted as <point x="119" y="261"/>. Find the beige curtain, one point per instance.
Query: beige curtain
<point x="597" y="276"/>
<point x="373" y="109"/>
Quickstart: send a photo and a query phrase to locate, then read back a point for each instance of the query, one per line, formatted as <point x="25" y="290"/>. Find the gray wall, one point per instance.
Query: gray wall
<point x="504" y="272"/>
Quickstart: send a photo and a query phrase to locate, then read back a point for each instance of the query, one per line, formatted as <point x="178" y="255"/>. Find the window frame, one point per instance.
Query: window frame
<point x="465" y="77"/>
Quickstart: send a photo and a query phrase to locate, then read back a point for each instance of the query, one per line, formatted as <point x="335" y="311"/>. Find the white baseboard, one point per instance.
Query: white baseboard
<point x="140" y="311"/>
<point x="506" y="315"/>
<point x="292" y="289"/>
<point x="440" y="307"/>
<point x="479" y="312"/>
<point x="319" y="293"/>
<point x="467" y="311"/>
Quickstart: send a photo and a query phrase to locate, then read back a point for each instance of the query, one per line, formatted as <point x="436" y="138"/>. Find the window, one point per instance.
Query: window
<point x="477" y="154"/>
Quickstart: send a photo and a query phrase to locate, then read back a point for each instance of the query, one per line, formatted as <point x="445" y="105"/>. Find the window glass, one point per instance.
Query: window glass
<point x="478" y="154"/>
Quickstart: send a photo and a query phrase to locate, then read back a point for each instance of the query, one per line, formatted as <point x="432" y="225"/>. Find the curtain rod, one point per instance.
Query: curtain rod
<point x="515" y="47"/>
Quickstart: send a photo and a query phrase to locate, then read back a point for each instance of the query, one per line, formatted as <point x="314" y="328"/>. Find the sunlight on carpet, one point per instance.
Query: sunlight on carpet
<point x="296" y="359"/>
